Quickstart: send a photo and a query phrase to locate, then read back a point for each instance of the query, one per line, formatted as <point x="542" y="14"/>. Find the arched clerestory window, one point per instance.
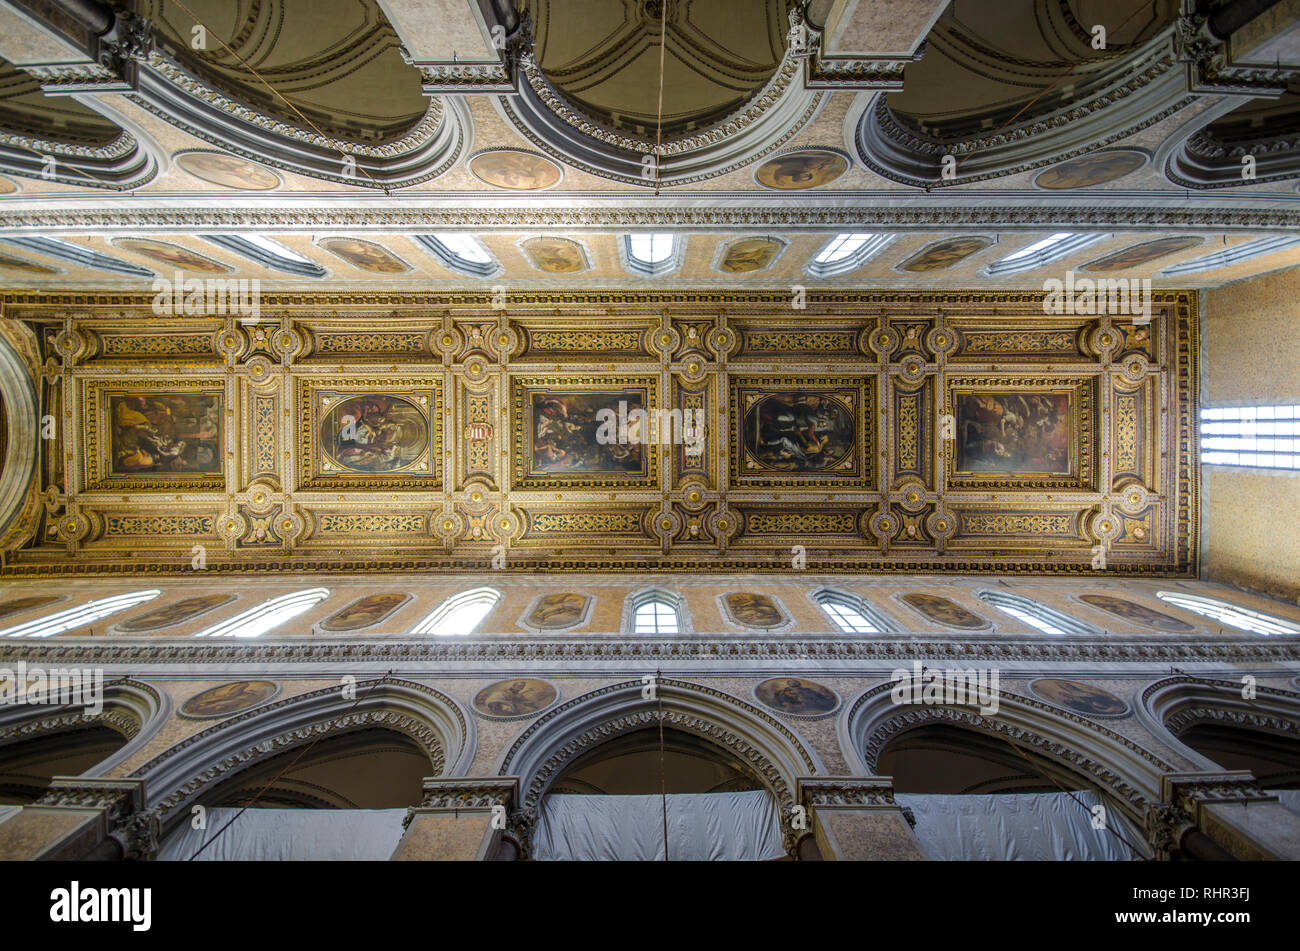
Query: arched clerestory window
<point x="1225" y="613"/>
<point x="266" y="616"/>
<point x="73" y="618"/>
<point x="851" y="614"/>
<point x="459" y="614"/>
<point x="1040" y="616"/>
<point x="656" y="612"/>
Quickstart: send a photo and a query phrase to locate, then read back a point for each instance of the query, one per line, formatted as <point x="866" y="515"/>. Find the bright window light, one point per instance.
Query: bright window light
<point x="1042" y="252"/>
<point x="1233" y="255"/>
<point x="846" y="616"/>
<point x="80" y="616"/>
<point x="264" y="617"/>
<point x="1040" y="245"/>
<point x="1036" y="615"/>
<point x="460" y="613"/>
<point x="655" y="616"/>
<point x="841" y="247"/>
<point x="463" y="246"/>
<point x="1261" y="437"/>
<point x="650" y="248"/>
<point x="275" y="248"/>
<point x="1229" y="614"/>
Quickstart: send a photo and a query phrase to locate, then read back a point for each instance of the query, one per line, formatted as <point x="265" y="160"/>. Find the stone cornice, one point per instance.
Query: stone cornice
<point x="1157" y="649"/>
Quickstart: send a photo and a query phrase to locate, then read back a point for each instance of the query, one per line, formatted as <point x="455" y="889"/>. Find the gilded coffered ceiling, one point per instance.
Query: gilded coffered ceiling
<point x="898" y="432"/>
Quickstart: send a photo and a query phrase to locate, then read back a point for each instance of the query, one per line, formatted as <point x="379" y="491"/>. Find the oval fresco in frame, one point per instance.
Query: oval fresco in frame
<point x="521" y="697"/>
<point x="228" y="699"/>
<point x="1138" y="254"/>
<point x="364" y="612"/>
<point x="375" y="432"/>
<point x="172" y="254"/>
<point x="754" y="610"/>
<point x="798" y="432"/>
<point x="1135" y="613"/>
<point x="172" y="614"/>
<point x="557" y="610"/>
<point x="749" y="254"/>
<point x="797" y="170"/>
<point x="519" y="171"/>
<point x="365" y="255"/>
<point x="798" y="697"/>
<point x="1081" y="698"/>
<point x="227" y="171"/>
<point x="944" y="254"/>
<point x="30" y="603"/>
<point x="944" y="611"/>
<point x="1096" y="169"/>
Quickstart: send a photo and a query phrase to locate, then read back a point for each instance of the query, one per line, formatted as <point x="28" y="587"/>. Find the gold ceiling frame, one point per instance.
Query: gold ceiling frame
<point x="698" y="345"/>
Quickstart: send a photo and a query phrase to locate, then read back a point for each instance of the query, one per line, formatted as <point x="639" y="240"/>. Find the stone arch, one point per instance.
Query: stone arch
<point x="1171" y="706"/>
<point x="180" y="774"/>
<point x="133" y="709"/>
<point x="771" y="750"/>
<point x="1114" y="763"/>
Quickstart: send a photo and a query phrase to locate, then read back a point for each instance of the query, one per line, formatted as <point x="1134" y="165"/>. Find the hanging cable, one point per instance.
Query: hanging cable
<point x="663" y="784"/>
<point x="659" y="121"/>
<point x="272" y="90"/>
<point x="1105" y="825"/>
<point x="275" y="779"/>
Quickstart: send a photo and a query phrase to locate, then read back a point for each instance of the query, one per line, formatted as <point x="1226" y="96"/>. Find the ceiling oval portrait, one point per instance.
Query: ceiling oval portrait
<point x="217" y="168"/>
<point x="943" y="254"/>
<point x="1096" y="169"/>
<point x="1139" y="254"/>
<point x="808" y="168"/>
<point x="374" y="433"/>
<point x="519" y="171"/>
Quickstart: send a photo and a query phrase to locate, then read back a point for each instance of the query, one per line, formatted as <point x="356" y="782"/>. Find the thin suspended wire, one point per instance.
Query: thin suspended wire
<point x="659" y="123"/>
<point x="273" y="91"/>
<point x="275" y="779"/>
<point x="1105" y="825"/>
<point x="663" y="783"/>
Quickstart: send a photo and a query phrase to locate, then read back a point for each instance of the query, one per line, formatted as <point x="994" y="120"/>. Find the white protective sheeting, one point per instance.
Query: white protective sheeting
<point x="714" y="827"/>
<point x="1290" y="798"/>
<point x="8" y="812"/>
<point x="1019" y="826"/>
<point x="269" y="835"/>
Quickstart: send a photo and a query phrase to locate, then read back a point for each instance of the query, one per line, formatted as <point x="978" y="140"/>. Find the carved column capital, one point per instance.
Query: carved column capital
<point x="122" y="802"/>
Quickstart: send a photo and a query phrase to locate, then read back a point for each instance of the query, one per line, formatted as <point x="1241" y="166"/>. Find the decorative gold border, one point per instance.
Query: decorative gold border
<point x="96" y="396"/>
<point x="314" y="396"/>
<point x="522" y="475"/>
<point x="1082" y="393"/>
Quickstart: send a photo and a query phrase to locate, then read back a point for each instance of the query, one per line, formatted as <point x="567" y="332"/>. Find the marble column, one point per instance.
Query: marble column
<point x="458" y="820"/>
<point x="79" y="819"/>
<point x="1228" y="809"/>
<point x="856" y="819"/>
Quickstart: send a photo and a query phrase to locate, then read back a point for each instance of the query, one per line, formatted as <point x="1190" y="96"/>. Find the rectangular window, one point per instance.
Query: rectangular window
<point x="1261" y="437"/>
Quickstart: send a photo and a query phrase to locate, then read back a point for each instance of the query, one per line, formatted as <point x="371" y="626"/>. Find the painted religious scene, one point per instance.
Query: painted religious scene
<point x="558" y="610"/>
<point x="364" y="612"/>
<point x="170" y="433"/>
<point x="799" y="431"/>
<point x="377" y="432"/>
<point x="175" y="613"/>
<point x="944" y="611"/>
<point x="515" y="698"/>
<point x="754" y="610"/>
<point x="571" y="432"/>
<point x="229" y="699"/>
<point x="1136" y="613"/>
<point x="1013" y="432"/>
<point x="797" y="696"/>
